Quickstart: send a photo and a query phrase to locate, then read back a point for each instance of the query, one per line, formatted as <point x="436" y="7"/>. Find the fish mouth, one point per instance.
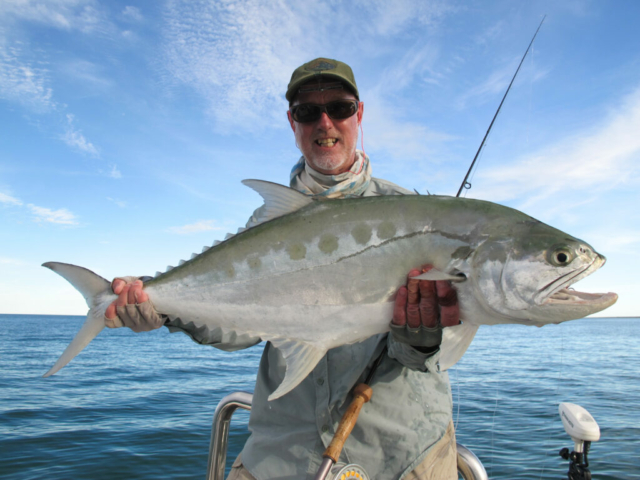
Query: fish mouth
<point x="559" y="293"/>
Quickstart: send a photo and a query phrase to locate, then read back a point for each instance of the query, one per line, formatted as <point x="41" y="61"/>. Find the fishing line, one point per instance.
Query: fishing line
<point x="362" y="140"/>
<point x="455" y="427"/>
<point x="495" y="408"/>
<point x="556" y="395"/>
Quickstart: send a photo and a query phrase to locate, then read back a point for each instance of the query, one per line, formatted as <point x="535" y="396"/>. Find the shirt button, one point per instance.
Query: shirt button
<point x="320" y="381"/>
<point x="325" y="428"/>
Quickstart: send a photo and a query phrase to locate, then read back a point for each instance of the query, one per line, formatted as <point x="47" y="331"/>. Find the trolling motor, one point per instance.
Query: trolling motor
<point x="583" y="430"/>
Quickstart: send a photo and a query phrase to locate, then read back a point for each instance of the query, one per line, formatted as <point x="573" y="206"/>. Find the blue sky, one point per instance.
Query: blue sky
<point x="126" y="127"/>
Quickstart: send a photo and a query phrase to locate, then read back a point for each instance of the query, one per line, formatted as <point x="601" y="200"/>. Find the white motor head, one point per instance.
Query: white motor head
<point x="579" y="424"/>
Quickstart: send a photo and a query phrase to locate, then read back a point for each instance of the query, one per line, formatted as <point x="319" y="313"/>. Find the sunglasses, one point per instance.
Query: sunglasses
<point x="311" y="112"/>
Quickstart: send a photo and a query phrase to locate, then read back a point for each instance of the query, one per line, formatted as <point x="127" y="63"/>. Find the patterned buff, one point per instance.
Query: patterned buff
<point x="348" y="184"/>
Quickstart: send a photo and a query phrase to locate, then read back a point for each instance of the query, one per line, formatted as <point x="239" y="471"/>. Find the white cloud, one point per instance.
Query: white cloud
<point x="61" y="216"/>
<point x="383" y="19"/>
<point x="9" y="200"/>
<point x="89" y="74"/>
<point x="239" y="54"/>
<point x="132" y="13"/>
<point x="10" y="261"/>
<point x="120" y="203"/>
<point x="384" y="127"/>
<point x="115" y="173"/>
<point x="75" y="139"/>
<point x="596" y="160"/>
<point x="23" y="78"/>
<point x="21" y="81"/>
<point x="84" y="15"/>
<point x="197" y="227"/>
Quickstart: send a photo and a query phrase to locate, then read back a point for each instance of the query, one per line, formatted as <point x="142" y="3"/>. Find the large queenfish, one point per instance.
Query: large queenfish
<point x="315" y="275"/>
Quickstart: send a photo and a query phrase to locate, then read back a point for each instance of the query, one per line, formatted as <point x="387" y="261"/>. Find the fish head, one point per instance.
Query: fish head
<point x="528" y="278"/>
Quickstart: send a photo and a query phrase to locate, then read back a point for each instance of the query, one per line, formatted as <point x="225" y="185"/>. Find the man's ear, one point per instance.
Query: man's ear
<point x="291" y="121"/>
<point x="360" y="112"/>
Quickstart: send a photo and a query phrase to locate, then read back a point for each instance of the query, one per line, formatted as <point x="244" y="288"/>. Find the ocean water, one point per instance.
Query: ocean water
<point x="140" y="406"/>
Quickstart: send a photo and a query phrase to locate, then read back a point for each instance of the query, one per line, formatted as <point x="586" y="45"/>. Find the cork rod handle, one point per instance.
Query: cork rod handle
<point x="361" y="395"/>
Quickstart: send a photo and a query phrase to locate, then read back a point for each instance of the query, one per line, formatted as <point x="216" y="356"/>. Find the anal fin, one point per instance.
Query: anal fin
<point x="455" y="341"/>
<point x="300" y="359"/>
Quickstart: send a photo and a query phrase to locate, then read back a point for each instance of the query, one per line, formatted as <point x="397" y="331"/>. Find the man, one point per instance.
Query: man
<point x="406" y="430"/>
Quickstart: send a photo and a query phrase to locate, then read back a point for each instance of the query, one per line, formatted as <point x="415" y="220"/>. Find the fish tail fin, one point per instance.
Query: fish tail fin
<point x="92" y="287"/>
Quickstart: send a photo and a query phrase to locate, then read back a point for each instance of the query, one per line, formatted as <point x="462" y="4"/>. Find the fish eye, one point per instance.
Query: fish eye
<point x="561" y="257"/>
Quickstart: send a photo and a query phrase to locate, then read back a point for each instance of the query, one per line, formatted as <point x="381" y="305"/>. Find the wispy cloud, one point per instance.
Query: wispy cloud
<point x="9" y="200"/>
<point x="75" y="139"/>
<point x="197" y="227"/>
<point x="84" y="15"/>
<point x="239" y="54"/>
<point x="114" y="172"/>
<point x="496" y="83"/>
<point x="89" y="74"/>
<point x="120" y="203"/>
<point x="22" y="81"/>
<point x="10" y="261"/>
<point x="61" y="216"/>
<point x="596" y="160"/>
<point x="385" y="128"/>
<point x="132" y="13"/>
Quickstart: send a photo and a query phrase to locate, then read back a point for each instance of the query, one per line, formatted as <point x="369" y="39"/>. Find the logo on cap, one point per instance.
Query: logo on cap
<point x="320" y="65"/>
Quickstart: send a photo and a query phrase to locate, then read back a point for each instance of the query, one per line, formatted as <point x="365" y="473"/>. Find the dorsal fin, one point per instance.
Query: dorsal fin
<point x="278" y="199"/>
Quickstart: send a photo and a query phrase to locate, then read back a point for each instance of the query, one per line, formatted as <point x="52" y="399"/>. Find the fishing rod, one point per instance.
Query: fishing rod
<point x="465" y="183"/>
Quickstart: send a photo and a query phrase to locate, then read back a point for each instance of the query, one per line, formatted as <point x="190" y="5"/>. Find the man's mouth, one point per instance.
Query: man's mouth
<point x="326" y="142"/>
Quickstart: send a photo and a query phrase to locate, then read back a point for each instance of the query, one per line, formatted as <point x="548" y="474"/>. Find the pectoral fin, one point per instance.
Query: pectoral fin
<point x="455" y="341"/>
<point x="300" y="359"/>
<point x="434" y="275"/>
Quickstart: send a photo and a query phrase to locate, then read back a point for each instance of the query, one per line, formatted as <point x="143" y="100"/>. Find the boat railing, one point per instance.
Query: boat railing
<point x="469" y="466"/>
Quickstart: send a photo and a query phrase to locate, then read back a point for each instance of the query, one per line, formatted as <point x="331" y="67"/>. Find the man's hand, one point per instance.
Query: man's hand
<point x="132" y="308"/>
<point x="422" y="309"/>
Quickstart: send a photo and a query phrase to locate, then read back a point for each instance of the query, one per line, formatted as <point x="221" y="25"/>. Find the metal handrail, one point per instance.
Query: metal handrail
<point x="220" y="431"/>
<point x="469" y="466"/>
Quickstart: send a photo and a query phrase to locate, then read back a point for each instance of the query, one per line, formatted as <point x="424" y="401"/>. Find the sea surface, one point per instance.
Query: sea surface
<point x="140" y="406"/>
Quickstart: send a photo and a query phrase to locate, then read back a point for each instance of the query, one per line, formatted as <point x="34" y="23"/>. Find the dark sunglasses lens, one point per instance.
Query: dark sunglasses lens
<point x="341" y="110"/>
<point x="306" y="113"/>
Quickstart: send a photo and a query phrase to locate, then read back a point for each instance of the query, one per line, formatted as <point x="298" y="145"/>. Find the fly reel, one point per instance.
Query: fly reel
<point x="340" y="471"/>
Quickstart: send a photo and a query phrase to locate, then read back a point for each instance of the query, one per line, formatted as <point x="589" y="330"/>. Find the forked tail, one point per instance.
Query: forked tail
<point x="97" y="292"/>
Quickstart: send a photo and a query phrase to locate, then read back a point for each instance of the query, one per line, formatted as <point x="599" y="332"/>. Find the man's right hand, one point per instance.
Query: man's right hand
<point x="132" y="308"/>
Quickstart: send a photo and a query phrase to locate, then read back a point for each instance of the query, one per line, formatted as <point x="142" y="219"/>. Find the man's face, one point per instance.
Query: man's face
<point x="329" y="146"/>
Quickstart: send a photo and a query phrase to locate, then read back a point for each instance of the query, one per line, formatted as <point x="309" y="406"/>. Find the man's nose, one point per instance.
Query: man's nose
<point x="325" y="121"/>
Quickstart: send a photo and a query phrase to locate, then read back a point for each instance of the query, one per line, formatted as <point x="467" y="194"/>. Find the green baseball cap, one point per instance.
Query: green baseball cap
<point x="318" y="69"/>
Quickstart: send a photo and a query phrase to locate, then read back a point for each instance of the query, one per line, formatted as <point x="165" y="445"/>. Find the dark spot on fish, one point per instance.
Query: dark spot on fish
<point x="297" y="251"/>
<point x="362" y="233"/>
<point x="328" y="243"/>
<point x="254" y="262"/>
<point x="386" y="230"/>
<point x="230" y="271"/>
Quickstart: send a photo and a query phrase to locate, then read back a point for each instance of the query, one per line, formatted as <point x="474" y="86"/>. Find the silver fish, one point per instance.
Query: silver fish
<point x="315" y="275"/>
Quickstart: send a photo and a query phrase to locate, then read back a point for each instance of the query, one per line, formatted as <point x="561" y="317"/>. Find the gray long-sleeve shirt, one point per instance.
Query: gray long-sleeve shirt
<point x="409" y="412"/>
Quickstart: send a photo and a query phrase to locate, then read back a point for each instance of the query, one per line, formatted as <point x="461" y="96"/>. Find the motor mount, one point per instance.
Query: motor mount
<point x="583" y="429"/>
